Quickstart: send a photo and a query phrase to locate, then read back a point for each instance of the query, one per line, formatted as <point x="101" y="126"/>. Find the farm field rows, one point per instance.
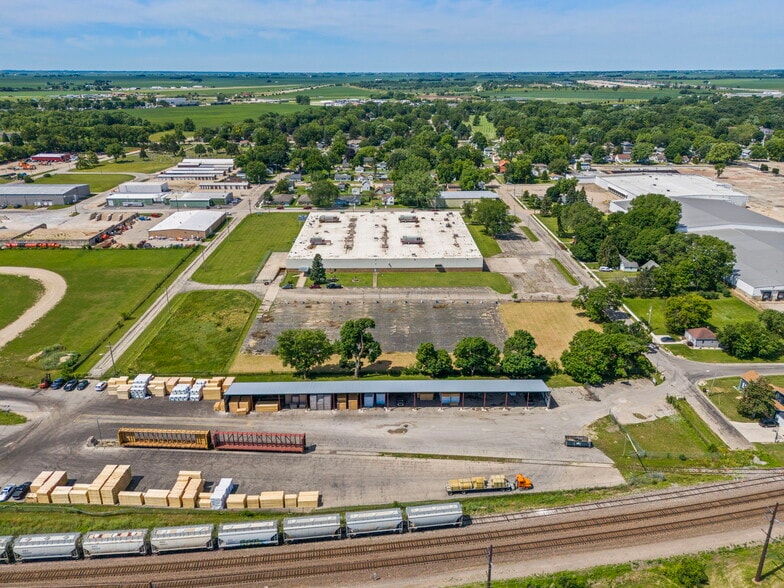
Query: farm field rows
<point x="213" y="116"/>
<point x="102" y="287"/>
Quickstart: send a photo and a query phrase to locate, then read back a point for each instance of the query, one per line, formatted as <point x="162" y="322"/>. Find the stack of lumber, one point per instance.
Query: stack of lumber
<point x="241" y="405"/>
<point x="290" y="501"/>
<point x="204" y="499"/>
<point x="267" y="406"/>
<point x="156" y="497"/>
<point x="190" y="498"/>
<point x="43" y="495"/>
<point x="213" y="389"/>
<point x="218" y="406"/>
<point x="353" y="401"/>
<point x="309" y="499"/>
<point x="116" y="483"/>
<point x="131" y="498"/>
<point x="342" y="402"/>
<point x="236" y="501"/>
<point x="187" y="380"/>
<point x="40" y="480"/>
<point x="60" y="495"/>
<point x="80" y="494"/>
<point x="272" y="499"/>
<point x="157" y="387"/>
<point x="94" y="490"/>
<point x="253" y="501"/>
<point x="124" y="391"/>
<point x="113" y="383"/>
<point x="227" y="382"/>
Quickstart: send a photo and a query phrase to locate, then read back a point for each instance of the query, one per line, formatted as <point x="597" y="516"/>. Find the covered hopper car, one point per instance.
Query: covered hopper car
<point x="108" y="543"/>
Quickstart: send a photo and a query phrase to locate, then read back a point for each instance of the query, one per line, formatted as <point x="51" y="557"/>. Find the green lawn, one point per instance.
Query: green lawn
<point x="132" y="163"/>
<point x="19" y="294"/>
<point x="582" y="93"/>
<point x="714" y="355"/>
<point x="488" y="246"/>
<point x="199" y="334"/>
<point x="564" y="272"/>
<point x="347" y="279"/>
<point x="725" y="311"/>
<point x="724" y="395"/>
<point x="485" y="127"/>
<point x="529" y="234"/>
<point x="213" y="116"/>
<point x="444" y="280"/>
<point x="99" y="182"/>
<point x="11" y="418"/>
<point x="102" y="286"/>
<point x="241" y="256"/>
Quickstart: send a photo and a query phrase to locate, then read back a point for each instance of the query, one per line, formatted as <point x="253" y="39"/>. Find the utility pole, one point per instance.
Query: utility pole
<point x="758" y="577"/>
<point x="490" y="566"/>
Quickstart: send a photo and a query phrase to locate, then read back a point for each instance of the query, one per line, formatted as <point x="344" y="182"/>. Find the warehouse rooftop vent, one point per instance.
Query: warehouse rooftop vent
<point x="329" y="218"/>
<point x="412" y="240"/>
<point x="408" y="218"/>
<point x="319" y="241"/>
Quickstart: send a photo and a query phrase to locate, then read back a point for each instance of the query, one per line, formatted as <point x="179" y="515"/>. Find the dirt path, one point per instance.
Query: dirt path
<point x="54" y="290"/>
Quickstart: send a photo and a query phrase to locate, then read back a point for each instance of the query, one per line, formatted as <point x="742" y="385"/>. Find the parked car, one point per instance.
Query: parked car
<point x="768" y="422"/>
<point x="58" y="383"/>
<point x="280" y="207"/>
<point x="6" y="492"/>
<point x="604" y="268"/>
<point x="101" y="386"/>
<point x="21" y="491"/>
<point x="82" y="384"/>
<point x="315" y="286"/>
<point x="71" y="385"/>
<point x="287" y="286"/>
<point x="334" y="285"/>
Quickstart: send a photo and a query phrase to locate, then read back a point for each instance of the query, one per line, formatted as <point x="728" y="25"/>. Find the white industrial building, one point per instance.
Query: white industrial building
<point x="189" y="224"/>
<point x="42" y="194"/>
<point x="199" y="169"/>
<point x="456" y="198"/>
<point x="388" y="240"/>
<point x="143" y="188"/>
<point x="758" y="242"/>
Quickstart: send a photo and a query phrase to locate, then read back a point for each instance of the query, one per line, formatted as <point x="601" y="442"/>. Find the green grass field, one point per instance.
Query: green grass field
<point x="724" y="395"/>
<point x="102" y="285"/>
<point x="99" y="182"/>
<point x="725" y="311"/>
<point x="199" y="334"/>
<point x="529" y="234"/>
<point x="583" y="93"/>
<point x="713" y="355"/>
<point x="485" y="127"/>
<point x="11" y="418"/>
<point x="19" y="294"/>
<point x="750" y="83"/>
<point x="213" y="116"/>
<point x="567" y="275"/>
<point x="132" y="163"/>
<point x="444" y="280"/>
<point x="488" y="246"/>
<point x="347" y="279"/>
<point x="241" y="256"/>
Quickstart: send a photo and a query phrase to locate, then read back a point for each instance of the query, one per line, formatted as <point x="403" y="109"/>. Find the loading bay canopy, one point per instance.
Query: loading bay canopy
<point x="410" y="388"/>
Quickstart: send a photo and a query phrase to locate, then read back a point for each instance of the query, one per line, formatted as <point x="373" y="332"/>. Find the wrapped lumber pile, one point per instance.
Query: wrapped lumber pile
<point x="80" y="494"/>
<point x="267" y="406"/>
<point x="113" y="383"/>
<point x="253" y="500"/>
<point x="156" y="497"/>
<point x="227" y="382"/>
<point x="272" y="499"/>
<point x="40" y="480"/>
<point x="157" y="387"/>
<point x="190" y="498"/>
<point x="60" y="495"/>
<point x="43" y="496"/>
<point x="117" y="482"/>
<point x="290" y="501"/>
<point x="213" y="389"/>
<point x="236" y="501"/>
<point x="130" y="498"/>
<point x="309" y="499"/>
<point x="94" y="490"/>
<point x="204" y="499"/>
<point x="187" y="380"/>
<point x="124" y="391"/>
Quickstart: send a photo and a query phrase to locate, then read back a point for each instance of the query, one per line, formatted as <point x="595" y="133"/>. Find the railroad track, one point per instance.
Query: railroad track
<point x="206" y="567"/>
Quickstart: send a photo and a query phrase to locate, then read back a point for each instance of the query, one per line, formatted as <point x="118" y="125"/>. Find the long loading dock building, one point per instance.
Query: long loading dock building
<point x="347" y="395"/>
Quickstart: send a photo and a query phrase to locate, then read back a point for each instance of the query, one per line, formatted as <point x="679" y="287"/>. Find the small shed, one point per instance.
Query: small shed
<point x="628" y="266"/>
<point x="701" y="338"/>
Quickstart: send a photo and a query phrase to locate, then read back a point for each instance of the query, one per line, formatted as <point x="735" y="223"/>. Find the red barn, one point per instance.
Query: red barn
<point x="51" y="158"/>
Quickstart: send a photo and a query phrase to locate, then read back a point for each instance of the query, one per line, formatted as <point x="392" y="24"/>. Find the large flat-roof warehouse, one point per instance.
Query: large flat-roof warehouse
<point x="420" y="240"/>
<point x="189" y="224"/>
<point x="42" y="194"/>
<point x="673" y="185"/>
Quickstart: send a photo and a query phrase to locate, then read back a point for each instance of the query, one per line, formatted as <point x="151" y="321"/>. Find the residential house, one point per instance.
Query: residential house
<point x="388" y="200"/>
<point x="342" y="177"/>
<point x="628" y="265"/>
<point x="623" y="158"/>
<point x="381" y="166"/>
<point x="778" y="402"/>
<point x="488" y="152"/>
<point x="701" y="338"/>
<point x="627" y="146"/>
<point x="366" y="186"/>
<point x="649" y="266"/>
<point x="295" y="177"/>
<point x="359" y="169"/>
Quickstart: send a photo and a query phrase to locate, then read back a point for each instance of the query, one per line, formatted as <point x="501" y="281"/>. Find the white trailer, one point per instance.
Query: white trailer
<point x="448" y="514"/>
<point x="371" y="522"/>
<point x="5" y="548"/>
<point x="247" y="534"/>
<point x="318" y="527"/>
<point x="189" y="538"/>
<point x="126" y="542"/>
<point x="59" y="546"/>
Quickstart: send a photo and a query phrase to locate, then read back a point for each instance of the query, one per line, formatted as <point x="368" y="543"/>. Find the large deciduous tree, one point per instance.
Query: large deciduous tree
<point x="416" y="188"/>
<point x="494" y="216"/>
<point x="303" y="349"/>
<point x="433" y="362"/>
<point x="596" y="302"/>
<point x="686" y="312"/>
<point x="594" y="357"/>
<point x="520" y="358"/>
<point x="749" y="339"/>
<point x="356" y="345"/>
<point x="324" y="193"/>
<point x="255" y="171"/>
<point x="757" y="399"/>
<point x="475" y="355"/>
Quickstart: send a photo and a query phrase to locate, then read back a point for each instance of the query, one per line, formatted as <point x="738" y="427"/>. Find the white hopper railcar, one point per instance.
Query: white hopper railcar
<point x="125" y="542"/>
<point x="448" y="514"/>
<point x="371" y="522"/>
<point x="247" y="534"/>
<point x="188" y="538"/>
<point x="54" y="546"/>
<point x="5" y="548"/>
<point x="317" y="527"/>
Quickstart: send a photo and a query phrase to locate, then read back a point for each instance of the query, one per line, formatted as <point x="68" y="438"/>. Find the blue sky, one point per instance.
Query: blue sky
<point x="391" y="35"/>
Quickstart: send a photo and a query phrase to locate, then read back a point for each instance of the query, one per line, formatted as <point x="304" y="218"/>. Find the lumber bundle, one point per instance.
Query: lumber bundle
<point x="80" y="494"/>
<point x="290" y="501"/>
<point x="40" y="480"/>
<point x="60" y="495"/>
<point x="118" y="481"/>
<point x="156" y="497"/>
<point x="272" y="499"/>
<point x="43" y="495"/>
<point x="236" y="501"/>
<point x="127" y="498"/>
<point x="309" y="499"/>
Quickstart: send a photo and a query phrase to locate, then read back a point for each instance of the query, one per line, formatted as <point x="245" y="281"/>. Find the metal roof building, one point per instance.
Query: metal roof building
<point x="450" y="392"/>
<point x="758" y="242"/>
<point x="188" y="224"/>
<point x="42" y="194"/>
<point x="456" y="198"/>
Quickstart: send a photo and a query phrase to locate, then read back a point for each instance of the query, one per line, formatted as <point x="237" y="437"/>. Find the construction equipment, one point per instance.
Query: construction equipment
<point x="495" y="483"/>
<point x="45" y="382"/>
